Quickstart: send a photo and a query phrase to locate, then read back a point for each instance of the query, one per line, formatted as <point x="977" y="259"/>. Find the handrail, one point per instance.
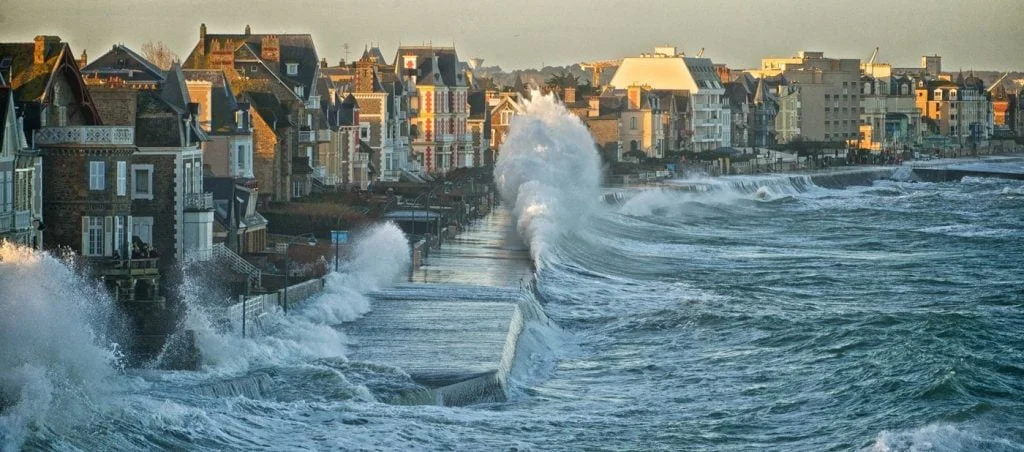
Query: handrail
<point x="238" y="264"/>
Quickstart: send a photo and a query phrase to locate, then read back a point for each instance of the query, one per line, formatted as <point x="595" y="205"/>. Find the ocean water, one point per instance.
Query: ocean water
<point x="743" y="313"/>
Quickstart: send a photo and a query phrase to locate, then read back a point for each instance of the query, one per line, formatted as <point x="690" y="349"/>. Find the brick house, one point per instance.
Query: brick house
<point x="271" y="134"/>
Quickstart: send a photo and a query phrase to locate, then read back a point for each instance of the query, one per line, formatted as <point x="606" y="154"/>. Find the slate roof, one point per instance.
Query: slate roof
<point x="447" y="64"/>
<point x="125" y="64"/>
<point x="269" y="108"/>
<point x="478" y="105"/>
<point x="223" y="104"/>
<point x="27" y="79"/>
<point x="347" y="111"/>
<point x="158" y="123"/>
<point x="293" y="48"/>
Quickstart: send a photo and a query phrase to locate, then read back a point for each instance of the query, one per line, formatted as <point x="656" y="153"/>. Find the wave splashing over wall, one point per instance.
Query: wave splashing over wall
<point x="548" y="171"/>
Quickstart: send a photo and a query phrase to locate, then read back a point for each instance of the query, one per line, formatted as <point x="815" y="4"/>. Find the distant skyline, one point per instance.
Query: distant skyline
<point x="978" y="34"/>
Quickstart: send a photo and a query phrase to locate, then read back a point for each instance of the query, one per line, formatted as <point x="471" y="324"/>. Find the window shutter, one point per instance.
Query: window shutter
<point x="85" y="236"/>
<point x="108" y="236"/>
<point x="122" y="178"/>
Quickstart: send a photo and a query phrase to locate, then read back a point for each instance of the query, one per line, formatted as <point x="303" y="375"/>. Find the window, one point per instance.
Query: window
<point x="241" y="158"/>
<point x="122" y="178"/>
<point x="142" y="181"/>
<point x="5" y="191"/>
<point x="142" y="227"/>
<point x="300" y="91"/>
<point x="96" y="170"/>
<point x="364" y="131"/>
<point x="632" y="123"/>
<point x="292" y="68"/>
<point x="93" y="245"/>
<point x="119" y="237"/>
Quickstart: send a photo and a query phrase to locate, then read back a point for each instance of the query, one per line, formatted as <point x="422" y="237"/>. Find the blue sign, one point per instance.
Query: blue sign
<point x="339" y="237"/>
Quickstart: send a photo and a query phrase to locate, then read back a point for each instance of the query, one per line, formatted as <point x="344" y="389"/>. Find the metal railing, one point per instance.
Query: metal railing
<point x="238" y="264"/>
<point x="98" y="135"/>
<point x="199" y="201"/>
<point x="307" y="136"/>
<point x="22" y="220"/>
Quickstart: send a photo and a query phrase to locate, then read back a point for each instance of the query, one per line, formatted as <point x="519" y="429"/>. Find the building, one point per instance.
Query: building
<point x="820" y="100"/>
<point x="502" y="107"/>
<point x="286" y="67"/>
<point x="21" y="169"/>
<point x="439" y="109"/>
<point x="479" y="124"/>
<point x="889" y="117"/>
<point x="122" y="66"/>
<point x="170" y="209"/>
<point x="959" y="110"/>
<point x="668" y="70"/>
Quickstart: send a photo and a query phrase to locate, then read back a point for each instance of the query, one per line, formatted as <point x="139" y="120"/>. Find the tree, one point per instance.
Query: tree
<point x="562" y="80"/>
<point x="159" y="54"/>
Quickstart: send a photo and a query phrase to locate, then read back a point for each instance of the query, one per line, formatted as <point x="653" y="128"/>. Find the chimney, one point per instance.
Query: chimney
<point x="270" y="48"/>
<point x="569" y="96"/>
<point x="44" y="44"/>
<point x="595" y="106"/>
<point x="202" y="39"/>
<point x="633" y="95"/>
<point x="323" y="63"/>
<point x="82" y="62"/>
<point x="193" y="109"/>
<point x="248" y="31"/>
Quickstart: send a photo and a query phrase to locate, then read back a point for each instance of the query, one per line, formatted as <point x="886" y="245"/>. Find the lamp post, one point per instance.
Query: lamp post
<point x="311" y="241"/>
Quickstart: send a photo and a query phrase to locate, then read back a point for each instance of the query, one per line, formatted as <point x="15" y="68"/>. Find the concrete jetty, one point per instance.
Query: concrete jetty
<point x="460" y="350"/>
<point x="455" y="339"/>
<point x="955" y="172"/>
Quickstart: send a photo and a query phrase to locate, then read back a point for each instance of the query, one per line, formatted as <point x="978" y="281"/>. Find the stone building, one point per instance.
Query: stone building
<point x="285" y="66"/>
<point x="889" y="117"/>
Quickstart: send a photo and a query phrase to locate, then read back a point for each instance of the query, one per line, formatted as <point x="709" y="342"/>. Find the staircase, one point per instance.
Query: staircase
<point x="239" y="265"/>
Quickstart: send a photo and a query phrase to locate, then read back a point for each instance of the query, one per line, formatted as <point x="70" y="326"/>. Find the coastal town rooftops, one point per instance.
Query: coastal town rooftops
<point x="223" y="104"/>
<point x="123" y="63"/>
<point x="665" y="72"/>
<point x="31" y="70"/>
<point x="421" y="59"/>
<point x="292" y="58"/>
<point x="269" y="108"/>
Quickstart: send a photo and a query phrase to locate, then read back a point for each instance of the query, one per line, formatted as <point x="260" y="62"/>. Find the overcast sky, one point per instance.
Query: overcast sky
<point x="979" y="34"/>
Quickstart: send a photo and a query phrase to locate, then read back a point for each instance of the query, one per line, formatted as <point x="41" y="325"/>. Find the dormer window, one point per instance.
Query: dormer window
<point x="300" y="91"/>
<point x="292" y="68"/>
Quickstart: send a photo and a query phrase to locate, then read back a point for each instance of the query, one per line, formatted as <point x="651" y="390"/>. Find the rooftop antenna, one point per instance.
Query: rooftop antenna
<point x="346" y="51"/>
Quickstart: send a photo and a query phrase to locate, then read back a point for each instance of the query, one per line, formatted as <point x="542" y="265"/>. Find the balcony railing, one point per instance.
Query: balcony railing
<point x="307" y="136"/>
<point x="87" y="135"/>
<point x="198" y="201"/>
<point x="6" y="221"/>
<point x="22" y="220"/>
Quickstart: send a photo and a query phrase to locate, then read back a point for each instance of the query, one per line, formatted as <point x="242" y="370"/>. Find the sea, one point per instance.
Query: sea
<point x="770" y="312"/>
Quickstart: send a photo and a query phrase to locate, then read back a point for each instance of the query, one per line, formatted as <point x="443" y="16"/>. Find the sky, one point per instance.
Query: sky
<point x="968" y="34"/>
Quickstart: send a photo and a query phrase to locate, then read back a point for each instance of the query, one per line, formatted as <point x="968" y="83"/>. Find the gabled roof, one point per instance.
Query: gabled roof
<point x="292" y="48"/>
<point x="373" y="53"/>
<point x="125" y="64"/>
<point x="175" y="92"/>
<point x="31" y="82"/>
<point x="158" y="123"/>
<point x="222" y="102"/>
<point x="447" y="66"/>
<point x="269" y="108"/>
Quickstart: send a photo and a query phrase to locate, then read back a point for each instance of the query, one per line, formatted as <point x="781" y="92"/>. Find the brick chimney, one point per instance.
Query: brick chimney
<point x="202" y="39"/>
<point x="594" y="103"/>
<point x="569" y="96"/>
<point x="270" y="48"/>
<point x="84" y="60"/>
<point x="248" y="31"/>
<point x="44" y="45"/>
<point x="633" y="96"/>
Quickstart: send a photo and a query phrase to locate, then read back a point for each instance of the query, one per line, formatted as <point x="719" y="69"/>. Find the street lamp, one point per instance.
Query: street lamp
<point x="310" y="241"/>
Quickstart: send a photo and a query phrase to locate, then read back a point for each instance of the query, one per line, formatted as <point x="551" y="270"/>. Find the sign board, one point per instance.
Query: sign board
<point x="339" y="237"/>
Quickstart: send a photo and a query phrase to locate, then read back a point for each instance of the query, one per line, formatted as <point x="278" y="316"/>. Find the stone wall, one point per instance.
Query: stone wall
<point x="162" y="207"/>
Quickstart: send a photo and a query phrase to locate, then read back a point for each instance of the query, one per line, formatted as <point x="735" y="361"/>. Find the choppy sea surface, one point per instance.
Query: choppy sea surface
<point x="742" y="313"/>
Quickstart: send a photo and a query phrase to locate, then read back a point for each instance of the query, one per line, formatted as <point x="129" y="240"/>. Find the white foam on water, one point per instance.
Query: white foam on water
<point x="548" y="171"/>
<point x="939" y="437"/>
<point x="56" y="359"/>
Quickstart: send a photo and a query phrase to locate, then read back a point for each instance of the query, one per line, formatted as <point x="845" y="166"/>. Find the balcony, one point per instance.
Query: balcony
<point x="198" y="201"/>
<point x="19" y="220"/>
<point x="307" y="136"/>
<point x="86" y="135"/>
<point x="313" y="103"/>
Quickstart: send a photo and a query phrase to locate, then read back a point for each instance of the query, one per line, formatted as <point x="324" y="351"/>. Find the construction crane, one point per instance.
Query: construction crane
<point x="997" y="82"/>
<point x="597" y="67"/>
<point x="873" y="55"/>
<point x="700" y="54"/>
